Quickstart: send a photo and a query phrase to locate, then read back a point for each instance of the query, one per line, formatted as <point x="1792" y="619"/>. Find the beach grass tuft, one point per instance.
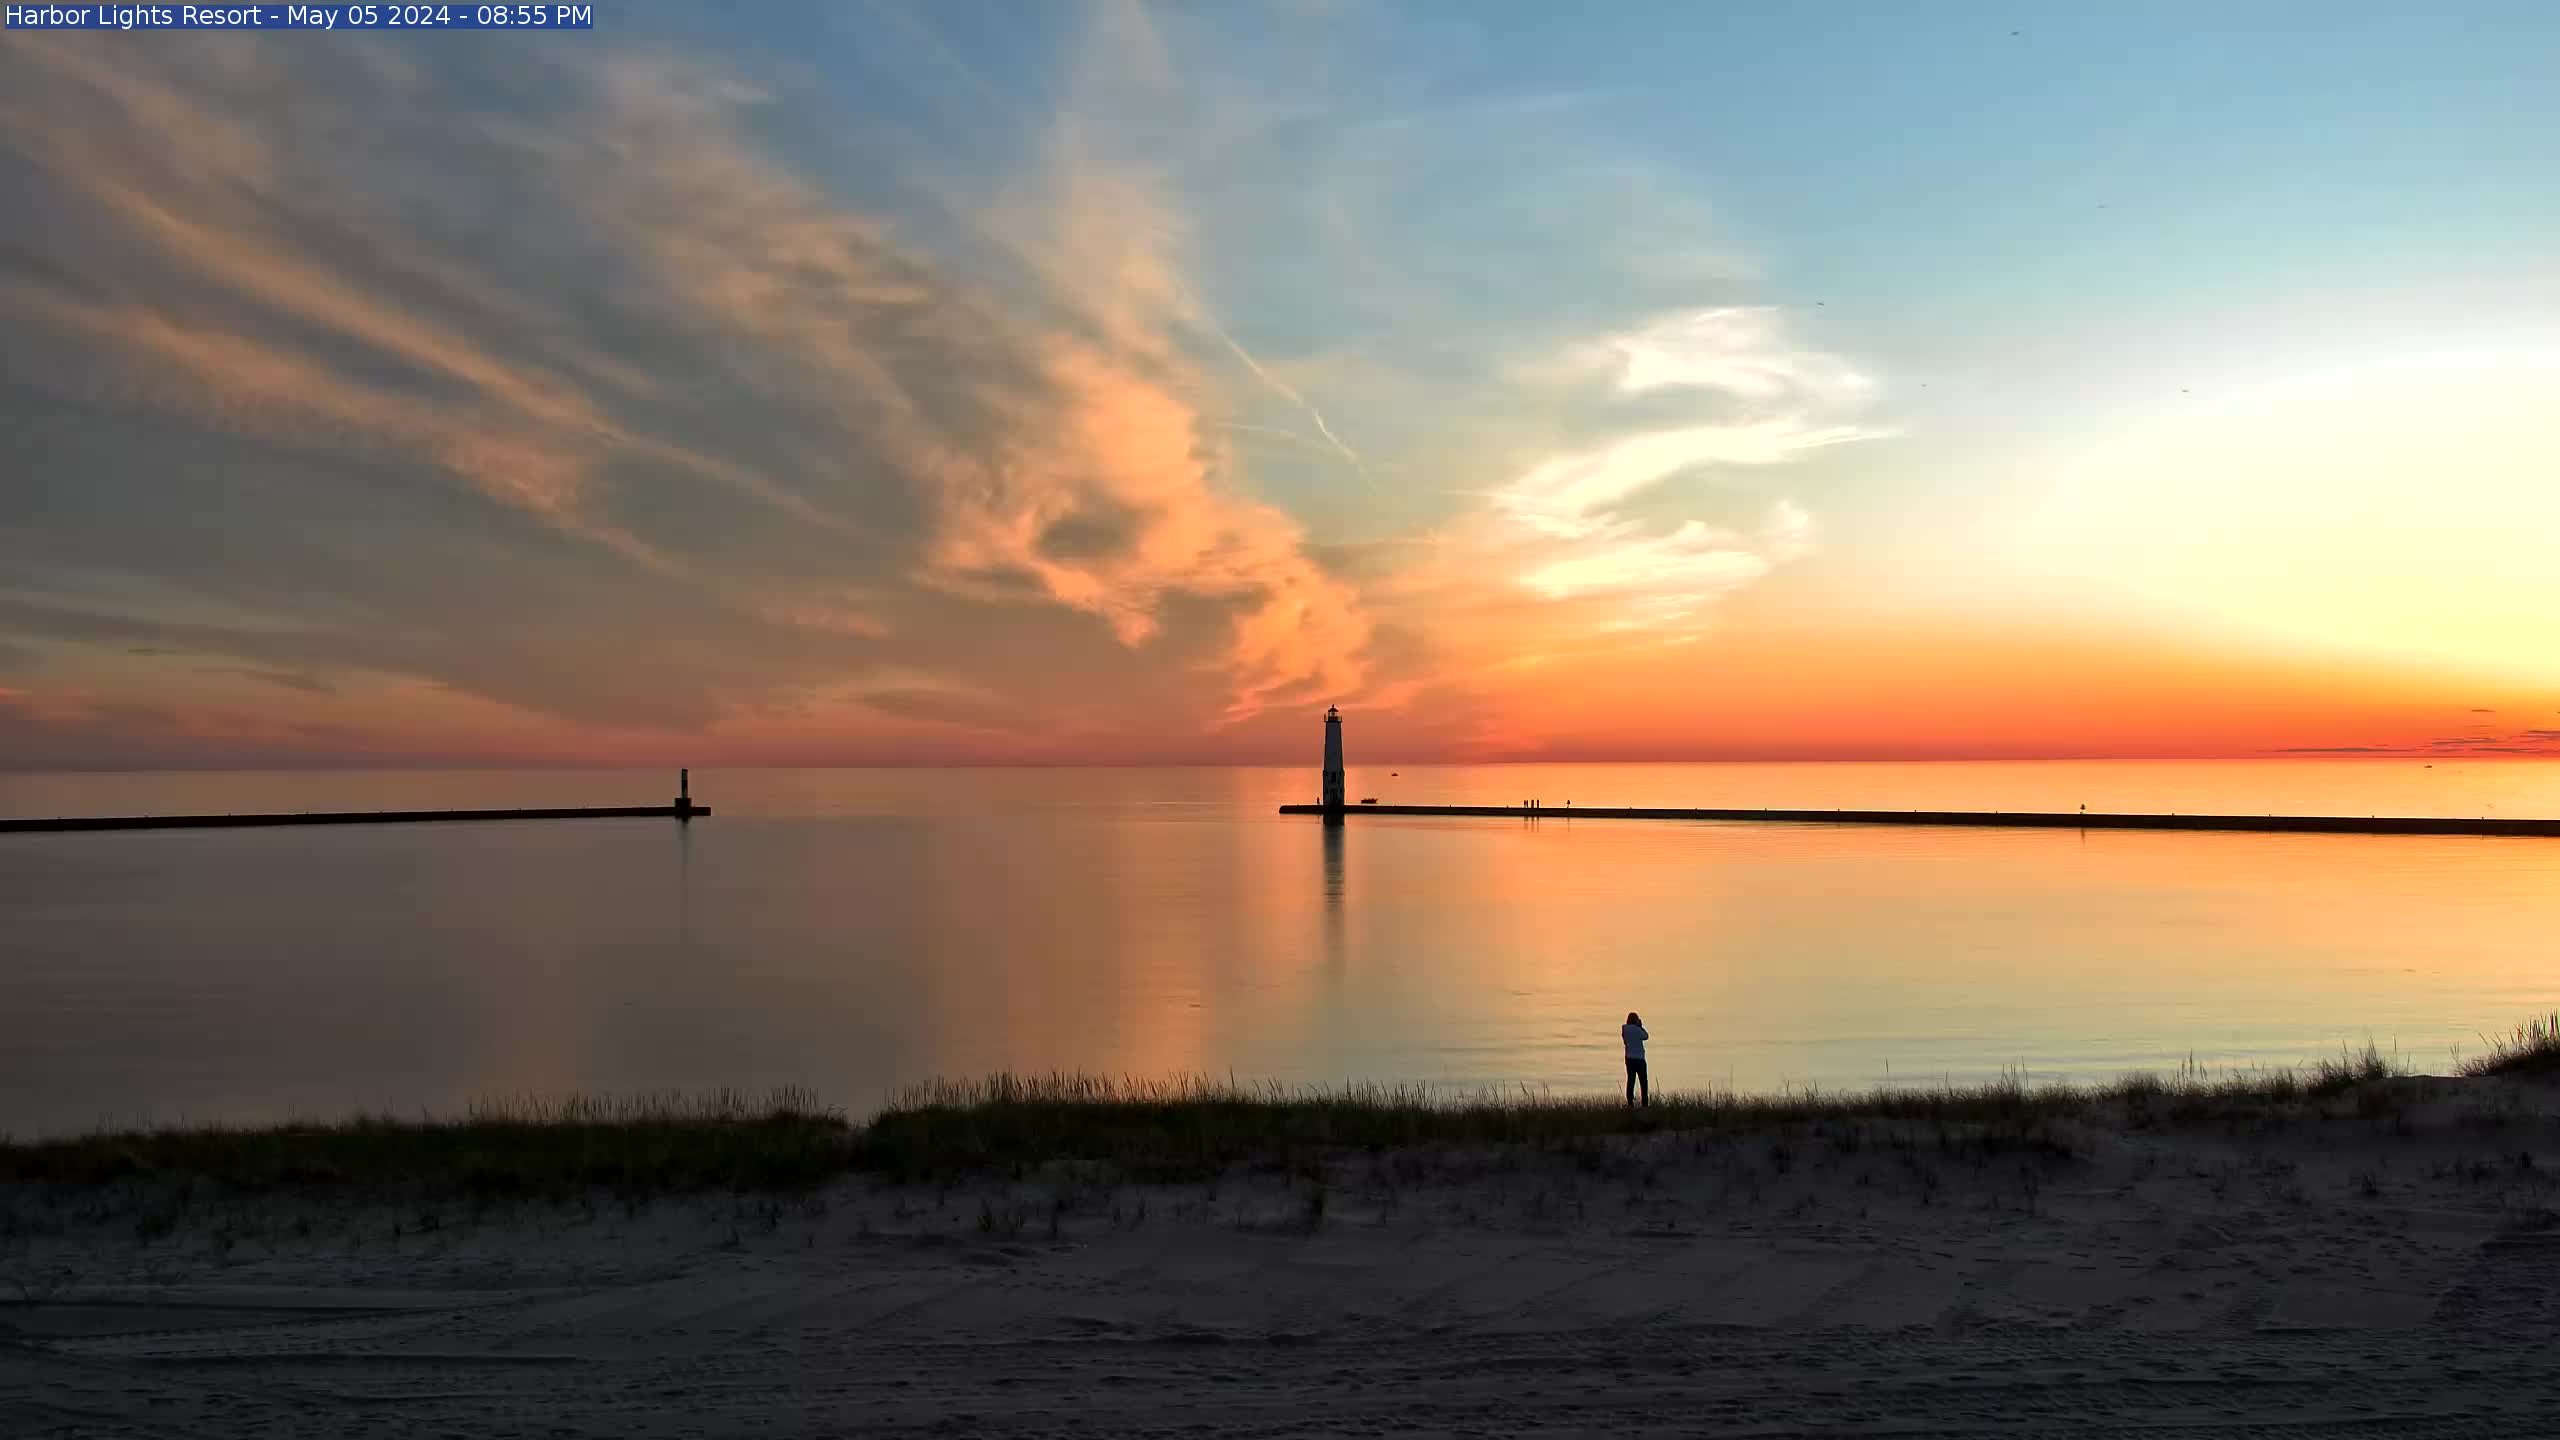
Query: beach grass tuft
<point x="2533" y="1049"/>
<point x="649" y="1142"/>
<point x="2351" y="1068"/>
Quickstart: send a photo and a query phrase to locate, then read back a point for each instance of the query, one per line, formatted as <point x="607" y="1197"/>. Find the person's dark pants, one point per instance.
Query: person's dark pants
<point x="1636" y="1076"/>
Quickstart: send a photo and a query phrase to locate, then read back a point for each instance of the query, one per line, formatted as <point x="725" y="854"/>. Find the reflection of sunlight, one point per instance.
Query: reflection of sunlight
<point x="1100" y="955"/>
<point x="1525" y="944"/>
<point x="544" y="1030"/>
<point x="1034" y="981"/>
<point x="1767" y="955"/>
<point x="2396" y="504"/>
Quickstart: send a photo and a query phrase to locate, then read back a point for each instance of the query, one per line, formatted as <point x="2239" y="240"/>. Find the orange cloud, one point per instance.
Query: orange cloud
<point x="1047" y="428"/>
<point x="187" y="177"/>
<point x="963" y="486"/>
<point x="1070" y="456"/>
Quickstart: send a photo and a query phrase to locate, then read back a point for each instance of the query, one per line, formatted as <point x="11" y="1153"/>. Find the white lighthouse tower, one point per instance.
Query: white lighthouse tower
<point x="1332" y="761"/>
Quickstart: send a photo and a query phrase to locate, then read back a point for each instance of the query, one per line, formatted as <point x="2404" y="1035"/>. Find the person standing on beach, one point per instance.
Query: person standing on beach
<point x="1633" y="1032"/>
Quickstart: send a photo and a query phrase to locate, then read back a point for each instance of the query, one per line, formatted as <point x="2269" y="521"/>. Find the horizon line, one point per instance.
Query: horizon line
<point x="2304" y="754"/>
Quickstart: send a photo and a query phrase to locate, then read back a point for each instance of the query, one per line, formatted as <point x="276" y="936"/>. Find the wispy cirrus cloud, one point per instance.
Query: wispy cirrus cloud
<point x="1771" y="401"/>
<point x="1576" y="496"/>
<point x="1670" y="576"/>
<point x="1063" y="453"/>
<point x="787" y="439"/>
<point x="893" y="386"/>
<point x="833" y="609"/>
<point x="293" y="680"/>
<point x="1745" y="351"/>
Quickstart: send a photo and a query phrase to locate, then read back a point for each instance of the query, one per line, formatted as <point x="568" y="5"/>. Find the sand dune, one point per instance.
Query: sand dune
<point x="2378" y="1264"/>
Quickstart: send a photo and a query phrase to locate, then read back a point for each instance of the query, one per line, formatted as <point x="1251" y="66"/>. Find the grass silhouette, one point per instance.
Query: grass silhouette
<point x="2533" y="1049"/>
<point x="1149" y="1129"/>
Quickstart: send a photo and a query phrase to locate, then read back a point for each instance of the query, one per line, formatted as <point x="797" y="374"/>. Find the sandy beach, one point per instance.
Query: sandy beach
<point x="2383" y="1263"/>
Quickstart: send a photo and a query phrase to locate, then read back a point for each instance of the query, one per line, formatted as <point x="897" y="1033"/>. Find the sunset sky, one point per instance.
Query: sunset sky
<point x="878" y="383"/>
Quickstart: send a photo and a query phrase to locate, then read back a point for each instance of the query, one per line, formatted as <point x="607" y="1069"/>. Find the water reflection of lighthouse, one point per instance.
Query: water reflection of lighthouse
<point x="1333" y="792"/>
<point x="1334" y="948"/>
<point x="1332" y="766"/>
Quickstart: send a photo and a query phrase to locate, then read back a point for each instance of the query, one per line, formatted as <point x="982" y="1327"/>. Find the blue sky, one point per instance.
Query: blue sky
<point x="885" y="381"/>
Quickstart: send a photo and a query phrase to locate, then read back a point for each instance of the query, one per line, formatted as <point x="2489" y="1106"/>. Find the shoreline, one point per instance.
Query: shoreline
<point x="2383" y="1259"/>
<point x="2315" y="1255"/>
<point x="1188" y="1128"/>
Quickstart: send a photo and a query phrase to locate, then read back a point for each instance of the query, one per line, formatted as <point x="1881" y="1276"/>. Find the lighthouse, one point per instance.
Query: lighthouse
<point x="1332" y="763"/>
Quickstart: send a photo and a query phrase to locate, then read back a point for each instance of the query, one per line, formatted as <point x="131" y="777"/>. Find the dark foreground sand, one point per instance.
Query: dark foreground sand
<point x="2382" y="1267"/>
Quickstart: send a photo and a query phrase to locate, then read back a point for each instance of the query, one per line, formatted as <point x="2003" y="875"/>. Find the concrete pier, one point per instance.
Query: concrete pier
<point x="683" y="808"/>
<point x="348" y="817"/>
<point x="2007" y="819"/>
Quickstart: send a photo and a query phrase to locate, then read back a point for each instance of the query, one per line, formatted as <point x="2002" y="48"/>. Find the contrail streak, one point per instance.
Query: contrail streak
<point x="1294" y="398"/>
<point x="1276" y="432"/>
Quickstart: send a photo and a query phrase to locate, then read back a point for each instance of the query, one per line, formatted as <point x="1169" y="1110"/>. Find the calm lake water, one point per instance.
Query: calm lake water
<point x="855" y="931"/>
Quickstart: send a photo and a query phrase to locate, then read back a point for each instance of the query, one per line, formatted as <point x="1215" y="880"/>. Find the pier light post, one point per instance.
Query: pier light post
<point x="684" y="794"/>
<point x="1332" y="766"/>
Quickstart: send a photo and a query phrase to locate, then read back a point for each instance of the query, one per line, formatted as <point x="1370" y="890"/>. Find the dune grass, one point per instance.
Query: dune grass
<point x="1182" y="1129"/>
<point x="1187" y="1128"/>
<point x="722" y="1138"/>
<point x="1165" y="1130"/>
<point x="2533" y="1049"/>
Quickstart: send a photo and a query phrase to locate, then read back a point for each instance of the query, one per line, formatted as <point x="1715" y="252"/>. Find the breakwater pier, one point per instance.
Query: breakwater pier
<point x="681" y="808"/>
<point x="2008" y="819"/>
<point x="1334" y="809"/>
